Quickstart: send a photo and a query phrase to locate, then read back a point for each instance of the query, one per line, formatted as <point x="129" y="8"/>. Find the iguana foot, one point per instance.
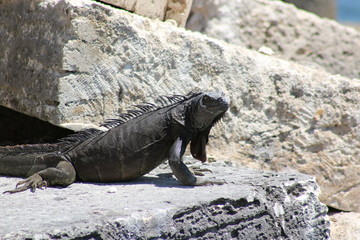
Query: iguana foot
<point x="209" y="181"/>
<point x="32" y="182"/>
<point x="199" y="171"/>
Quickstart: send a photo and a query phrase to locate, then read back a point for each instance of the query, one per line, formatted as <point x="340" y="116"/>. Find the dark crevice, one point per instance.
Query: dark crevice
<point x="91" y="236"/>
<point x="218" y="211"/>
<point x="111" y="5"/>
<point x="17" y="128"/>
<point x="236" y="223"/>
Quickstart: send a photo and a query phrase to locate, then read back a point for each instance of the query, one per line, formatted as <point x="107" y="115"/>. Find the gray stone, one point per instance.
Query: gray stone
<point x="323" y="8"/>
<point x="151" y="9"/>
<point x="345" y="225"/>
<point x="293" y="34"/>
<point x="177" y="10"/>
<point x="80" y="62"/>
<point x="252" y="205"/>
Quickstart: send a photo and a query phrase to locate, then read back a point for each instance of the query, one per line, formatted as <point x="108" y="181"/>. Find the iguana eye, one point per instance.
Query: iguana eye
<point x="206" y="99"/>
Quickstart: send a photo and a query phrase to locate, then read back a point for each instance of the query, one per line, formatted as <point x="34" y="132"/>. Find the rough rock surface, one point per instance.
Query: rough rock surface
<point x="72" y="62"/>
<point x="345" y="225"/>
<point x="293" y="34"/>
<point x="252" y="205"/>
<point x="177" y="10"/>
<point x="323" y="8"/>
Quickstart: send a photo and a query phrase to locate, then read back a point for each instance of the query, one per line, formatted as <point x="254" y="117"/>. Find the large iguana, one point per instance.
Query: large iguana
<point x="132" y="145"/>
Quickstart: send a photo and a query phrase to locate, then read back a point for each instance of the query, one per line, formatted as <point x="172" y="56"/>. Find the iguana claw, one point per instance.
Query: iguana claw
<point x="199" y="171"/>
<point x="209" y="181"/>
<point x="32" y="182"/>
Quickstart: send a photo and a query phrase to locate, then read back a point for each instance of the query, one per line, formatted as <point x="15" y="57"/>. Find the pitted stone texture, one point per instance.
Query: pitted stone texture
<point x="151" y="9"/>
<point x="177" y="10"/>
<point x="323" y="8"/>
<point x="252" y="205"/>
<point x="292" y="33"/>
<point x="89" y="61"/>
<point x="345" y="225"/>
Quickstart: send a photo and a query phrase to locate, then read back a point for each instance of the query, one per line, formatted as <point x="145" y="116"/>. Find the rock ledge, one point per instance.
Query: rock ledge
<point x="252" y="205"/>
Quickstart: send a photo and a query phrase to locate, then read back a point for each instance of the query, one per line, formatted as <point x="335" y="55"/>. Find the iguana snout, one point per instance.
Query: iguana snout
<point x="211" y="107"/>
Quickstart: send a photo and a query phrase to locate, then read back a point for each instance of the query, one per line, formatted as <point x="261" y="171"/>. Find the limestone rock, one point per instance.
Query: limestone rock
<point x="345" y="225"/>
<point x="177" y="10"/>
<point x="151" y="9"/>
<point x="79" y="62"/>
<point x="323" y="8"/>
<point x="293" y="34"/>
<point x="252" y="205"/>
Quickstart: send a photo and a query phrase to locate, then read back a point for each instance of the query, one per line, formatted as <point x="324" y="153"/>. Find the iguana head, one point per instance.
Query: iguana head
<point x="206" y="110"/>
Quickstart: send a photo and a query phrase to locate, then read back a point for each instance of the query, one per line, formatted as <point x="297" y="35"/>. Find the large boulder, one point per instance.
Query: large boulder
<point x="177" y="10"/>
<point x="345" y="225"/>
<point x="252" y="205"/>
<point x="74" y="62"/>
<point x="323" y="8"/>
<point x="293" y="34"/>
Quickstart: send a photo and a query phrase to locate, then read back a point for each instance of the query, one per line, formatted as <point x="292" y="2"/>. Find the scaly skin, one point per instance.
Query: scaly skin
<point x="135" y="144"/>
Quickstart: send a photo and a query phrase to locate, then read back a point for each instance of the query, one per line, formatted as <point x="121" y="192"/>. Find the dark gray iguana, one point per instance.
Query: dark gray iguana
<point x="133" y="145"/>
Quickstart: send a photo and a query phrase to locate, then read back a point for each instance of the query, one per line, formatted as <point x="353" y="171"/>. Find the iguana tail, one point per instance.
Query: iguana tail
<point x="24" y="160"/>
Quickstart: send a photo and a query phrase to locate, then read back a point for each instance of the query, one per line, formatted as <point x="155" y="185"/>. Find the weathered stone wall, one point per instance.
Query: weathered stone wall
<point x="89" y="61"/>
<point x="345" y="225"/>
<point x="176" y="10"/>
<point x="293" y="34"/>
<point x="323" y="8"/>
<point x="33" y="36"/>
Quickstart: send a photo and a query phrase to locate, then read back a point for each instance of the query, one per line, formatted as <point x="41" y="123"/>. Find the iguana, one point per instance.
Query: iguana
<point x="131" y="146"/>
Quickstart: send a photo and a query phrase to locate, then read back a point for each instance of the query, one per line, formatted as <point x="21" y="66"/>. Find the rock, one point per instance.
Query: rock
<point x="345" y="225"/>
<point x="293" y="34"/>
<point x="177" y="10"/>
<point x="323" y="8"/>
<point x="252" y="205"/>
<point x="266" y="50"/>
<point x="151" y="9"/>
<point x="81" y="62"/>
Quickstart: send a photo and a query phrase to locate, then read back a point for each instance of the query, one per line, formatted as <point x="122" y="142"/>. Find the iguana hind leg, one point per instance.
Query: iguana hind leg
<point x="63" y="174"/>
<point x="32" y="182"/>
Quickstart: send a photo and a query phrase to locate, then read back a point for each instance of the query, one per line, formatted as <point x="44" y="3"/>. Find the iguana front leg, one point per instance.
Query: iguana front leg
<point x="181" y="171"/>
<point x="63" y="174"/>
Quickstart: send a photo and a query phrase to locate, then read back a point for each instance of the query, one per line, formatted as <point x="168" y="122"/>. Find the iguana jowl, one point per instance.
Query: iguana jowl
<point x="136" y="143"/>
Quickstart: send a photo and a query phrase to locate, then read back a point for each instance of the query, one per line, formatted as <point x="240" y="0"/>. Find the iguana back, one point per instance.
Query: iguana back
<point x="128" y="150"/>
<point x="134" y="144"/>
